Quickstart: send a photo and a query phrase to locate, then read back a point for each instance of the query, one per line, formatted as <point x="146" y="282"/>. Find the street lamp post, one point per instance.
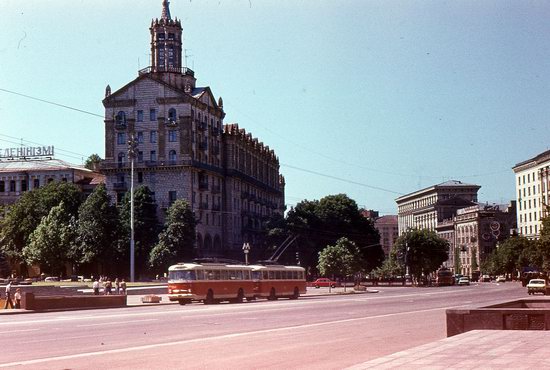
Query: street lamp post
<point x="246" y="250"/>
<point x="132" y="146"/>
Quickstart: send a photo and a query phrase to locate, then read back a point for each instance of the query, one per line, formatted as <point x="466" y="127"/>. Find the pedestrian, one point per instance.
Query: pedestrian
<point x="17" y="298"/>
<point x="117" y="286"/>
<point x="123" y="286"/>
<point x="8" y="296"/>
<point x="95" y="287"/>
<point x="108" y="287"/>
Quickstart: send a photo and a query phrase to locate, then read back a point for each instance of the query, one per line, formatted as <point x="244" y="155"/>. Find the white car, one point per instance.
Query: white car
<point x="500" y="279"/>
<point x="465" y="280"/>
<point x="536" y="286"/>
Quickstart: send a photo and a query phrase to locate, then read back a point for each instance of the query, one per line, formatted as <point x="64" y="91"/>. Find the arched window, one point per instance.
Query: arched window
<point x="120" y="118"/>
<point x="172" y="115"/>
<point x="172" y="157"/>
<point x="121" y="159"/>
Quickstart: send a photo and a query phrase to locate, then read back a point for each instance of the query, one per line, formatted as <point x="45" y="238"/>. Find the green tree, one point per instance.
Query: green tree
<point x="51" y="241"/>
<point x="146" y="228"/>
<point x="98" y="232"/>
<point x="513" y="254"/>
<point x="321" y="223"/>
<point x="93" y="162"/>
<point x="475" y="266"/>
<point x="423" y="251"/>
<point x="24" y="216"/>
<point x="342" y="259"/>
<point x="176" y="241"/>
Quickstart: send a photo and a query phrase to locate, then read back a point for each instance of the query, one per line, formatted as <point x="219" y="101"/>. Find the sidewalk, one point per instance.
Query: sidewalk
<point x="476" y="349"/>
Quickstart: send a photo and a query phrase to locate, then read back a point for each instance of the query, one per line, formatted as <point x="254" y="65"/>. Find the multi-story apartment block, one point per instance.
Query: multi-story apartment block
<point x="387" y="228"/>
<point x="425" y="208"/>
<point x="477" y="230"/>
<point x="183" y="151"/>
<point x="533" y="193"/>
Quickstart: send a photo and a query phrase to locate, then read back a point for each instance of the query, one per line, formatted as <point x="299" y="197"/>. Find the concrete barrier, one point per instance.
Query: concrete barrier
<point x="523" y="314"/>
<point x="40" y="303"/>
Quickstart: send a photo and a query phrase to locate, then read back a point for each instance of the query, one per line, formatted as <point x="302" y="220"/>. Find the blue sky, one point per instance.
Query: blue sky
<point x="389" y="96"/>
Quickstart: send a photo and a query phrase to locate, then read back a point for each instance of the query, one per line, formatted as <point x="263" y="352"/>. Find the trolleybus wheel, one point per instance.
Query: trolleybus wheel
<point x="296" y="293"/>
<point x="209" y="297"/>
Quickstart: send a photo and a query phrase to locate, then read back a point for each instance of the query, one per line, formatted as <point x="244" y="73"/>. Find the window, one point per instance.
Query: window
<point x="12" y="185"/>
<point x="36" y="183"/>
<point x="172" y="115"/>
<point x="140" y="116"/>
<point x="153" y="156"/>
<point x="172" y="136"/>
<point x="140" y="156"/>
<point x="172" y="157"/>
<point x="121" y="138"/>
<point x="152" y="114"/>
<point x="2" y="186"/>
<point x="172" y="196"/>
<point x="120" y="118"/>
<point x="140" y="137"/>
<point x="153" y="137"/>
<point x="162" y="36"/>
<point x="23" y="185"/>
<point x="121" y="158"/>
<point x="140" y="177"/>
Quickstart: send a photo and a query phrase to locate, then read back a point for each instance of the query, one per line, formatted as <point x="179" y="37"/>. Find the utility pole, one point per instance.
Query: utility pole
<point x="132" y="146"/>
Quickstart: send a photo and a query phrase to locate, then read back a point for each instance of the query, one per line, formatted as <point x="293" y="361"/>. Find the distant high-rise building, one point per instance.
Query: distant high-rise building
<point x="184" y="151"/>
<point x="533" y="193"/>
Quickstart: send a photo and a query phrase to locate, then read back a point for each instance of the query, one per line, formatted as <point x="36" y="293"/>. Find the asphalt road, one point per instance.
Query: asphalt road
<point x="323" y="332"/>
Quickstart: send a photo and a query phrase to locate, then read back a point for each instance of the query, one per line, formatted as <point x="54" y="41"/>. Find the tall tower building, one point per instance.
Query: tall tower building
<point x="184" y="151"/>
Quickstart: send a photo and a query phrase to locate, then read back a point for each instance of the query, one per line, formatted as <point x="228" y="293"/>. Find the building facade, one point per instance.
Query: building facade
<point x="425" y="208"/>
<point x="388" y="230"/>
<point x="19" y="175"/>
<point x="182" y="150"/>
<point x="533" y="193"/>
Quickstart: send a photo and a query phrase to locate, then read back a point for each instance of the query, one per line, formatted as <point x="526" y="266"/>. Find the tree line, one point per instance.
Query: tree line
<point x="55" y="226"/>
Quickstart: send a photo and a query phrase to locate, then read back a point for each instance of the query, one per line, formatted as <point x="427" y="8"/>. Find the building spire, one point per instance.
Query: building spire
<point x="166" y="10"/>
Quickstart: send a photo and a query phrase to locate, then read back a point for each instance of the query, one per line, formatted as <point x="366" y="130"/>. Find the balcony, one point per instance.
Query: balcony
<point x="203" y="205"/>
<point x="120" y="125"/>
<point x="203" y="185"/>
<point x="203" y="145"/>
<point x="171" y="123"/>
<point x="215" y="189"/>
<point x="183" y="70"/>
<point x="216" y="207"/>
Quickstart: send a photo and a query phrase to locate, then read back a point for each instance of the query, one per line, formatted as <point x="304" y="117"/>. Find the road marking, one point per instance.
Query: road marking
<point x="115" y="323"/>
<point x="214" y="338"/>
<point x="17" y="331"/>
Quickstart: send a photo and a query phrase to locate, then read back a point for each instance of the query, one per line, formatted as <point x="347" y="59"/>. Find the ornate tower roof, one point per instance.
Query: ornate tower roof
<point x="166" y="10"/>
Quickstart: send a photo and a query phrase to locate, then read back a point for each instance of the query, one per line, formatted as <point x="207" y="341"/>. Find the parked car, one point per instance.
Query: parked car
<point x="536" y="286"/>
<point x="501" y="279"/>
<point x="51" y="278"/>
<point x="464" y="280"/>
<point x="485" y="279"/>
<point x="324" y="282"/>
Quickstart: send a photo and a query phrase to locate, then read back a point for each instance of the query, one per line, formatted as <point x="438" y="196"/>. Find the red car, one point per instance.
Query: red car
<point x="324" y="282"/>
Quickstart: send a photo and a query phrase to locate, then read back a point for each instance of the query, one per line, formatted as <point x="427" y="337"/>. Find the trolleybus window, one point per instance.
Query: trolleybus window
<point x="181" y="275"/>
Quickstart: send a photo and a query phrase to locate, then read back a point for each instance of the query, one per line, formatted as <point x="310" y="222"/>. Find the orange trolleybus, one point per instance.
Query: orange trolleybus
<point x="278" y="281"/>
<point x="215" y="282"/>
<point x="209" y="282"/>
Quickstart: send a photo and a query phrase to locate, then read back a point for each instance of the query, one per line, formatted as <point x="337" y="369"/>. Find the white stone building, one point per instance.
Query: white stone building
<point x="533" y="193"/>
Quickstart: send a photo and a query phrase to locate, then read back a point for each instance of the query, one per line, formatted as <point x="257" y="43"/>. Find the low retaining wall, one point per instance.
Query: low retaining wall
<point x="39" y="303"/>
<point x="523" y="314"/>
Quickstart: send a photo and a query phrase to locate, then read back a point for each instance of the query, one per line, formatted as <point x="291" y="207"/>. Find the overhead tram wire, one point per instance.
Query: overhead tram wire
<point x="341" y="179"/>
<point x="277" y="134"/>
